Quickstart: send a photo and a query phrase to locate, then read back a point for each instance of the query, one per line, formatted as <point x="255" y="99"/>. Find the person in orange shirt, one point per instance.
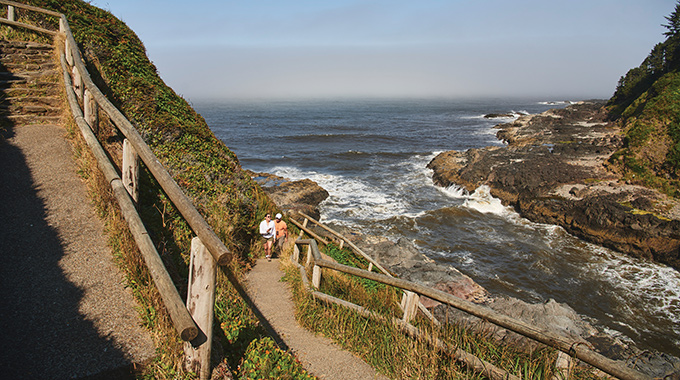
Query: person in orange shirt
<point x="281" y="233"/>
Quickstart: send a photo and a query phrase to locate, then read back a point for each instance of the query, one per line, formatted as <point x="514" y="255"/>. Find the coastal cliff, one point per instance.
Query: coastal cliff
<point x="557" y="169"/>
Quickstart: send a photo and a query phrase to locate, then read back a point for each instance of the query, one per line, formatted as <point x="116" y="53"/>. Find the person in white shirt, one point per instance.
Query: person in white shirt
<point x="268" y="232"/>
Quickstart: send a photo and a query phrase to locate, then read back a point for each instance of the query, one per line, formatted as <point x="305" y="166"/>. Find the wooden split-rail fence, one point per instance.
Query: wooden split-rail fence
<point x="410" y="302"/>
<point x="193" y="320"/>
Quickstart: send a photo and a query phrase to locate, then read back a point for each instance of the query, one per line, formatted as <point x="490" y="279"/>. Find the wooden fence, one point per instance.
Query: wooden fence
<point x="86" y="101"/>
<point x="193" y="320"/>
<point x="565" y="345"/>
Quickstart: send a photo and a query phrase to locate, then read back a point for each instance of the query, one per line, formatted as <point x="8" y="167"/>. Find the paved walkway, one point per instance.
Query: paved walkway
<point x="319" y="355"/>
<point x="65" y="313"/>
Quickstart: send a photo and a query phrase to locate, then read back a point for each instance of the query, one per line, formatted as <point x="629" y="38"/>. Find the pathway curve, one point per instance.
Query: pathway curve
<point x="65" y="311"/>
<point x="319" y="355"/>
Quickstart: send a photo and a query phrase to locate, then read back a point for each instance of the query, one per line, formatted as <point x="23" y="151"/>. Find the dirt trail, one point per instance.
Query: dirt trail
<point x="65" y="311"/>
<point x="319" y="355"/>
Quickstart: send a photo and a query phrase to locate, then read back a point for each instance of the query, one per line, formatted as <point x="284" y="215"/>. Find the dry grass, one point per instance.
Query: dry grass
<point x="388" y="349"/>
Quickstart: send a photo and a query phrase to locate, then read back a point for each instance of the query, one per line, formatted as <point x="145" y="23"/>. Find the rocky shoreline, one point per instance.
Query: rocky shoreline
<point x="555" y="170"/>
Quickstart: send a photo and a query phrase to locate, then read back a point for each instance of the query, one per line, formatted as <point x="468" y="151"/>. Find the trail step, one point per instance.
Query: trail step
<point x="29" y="85"/>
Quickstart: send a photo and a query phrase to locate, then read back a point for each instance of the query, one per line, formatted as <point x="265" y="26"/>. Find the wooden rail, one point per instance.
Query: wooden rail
<point x="569" y="346"/>
<point x="85" y="100"/>
<point x="81" y="88"/>
<point x="372" y="262"/>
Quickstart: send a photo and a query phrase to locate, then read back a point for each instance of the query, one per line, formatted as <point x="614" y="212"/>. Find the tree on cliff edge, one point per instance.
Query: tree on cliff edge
<point x="646" y="105"/>
<point x="664" y="58"/>
<point x="673" y="22"/>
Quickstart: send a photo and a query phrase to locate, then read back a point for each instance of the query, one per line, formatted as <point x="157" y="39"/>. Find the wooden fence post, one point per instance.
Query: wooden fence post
<point x="91" y="111"/>
<point x="67" y="52"/>
<point x="10" y="13"/>
<point x="316" y="276"/>
<point x="304" y="225"/>
<point x="563" y="366"/>
<point x="200" y="303"/>
<point x="131" y="170"/>
<point x="296" y="253"/>
<point x="77" y="83"/>
<point x="411" y="306"/>
<point x="309" y="254"/>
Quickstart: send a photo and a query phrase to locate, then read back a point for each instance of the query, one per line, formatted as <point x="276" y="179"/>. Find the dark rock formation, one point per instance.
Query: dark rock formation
<point x="303" y="195"/>
<point x="404" y="260"/>
<point x="554" y="170"/>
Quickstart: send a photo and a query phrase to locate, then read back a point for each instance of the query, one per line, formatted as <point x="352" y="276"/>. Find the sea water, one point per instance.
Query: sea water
<point x="371" y="156"/>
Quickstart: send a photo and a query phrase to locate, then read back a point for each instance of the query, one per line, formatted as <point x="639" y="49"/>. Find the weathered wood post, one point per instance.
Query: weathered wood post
<point x="91" y="111"/>
<point x="316" y="276"/>
<point x="200" y="303"/>
<point x="411" y="306"/>
<point x="296" y="253"/>
<point x="10" y="13"/>
<point x="67" y="52"/>
<point x="304" y="225"/>
<point x="77" y="83"/>
<point x="563" y="366"/>
<point x="131" y="170"/>
<point x="309" y="254"/>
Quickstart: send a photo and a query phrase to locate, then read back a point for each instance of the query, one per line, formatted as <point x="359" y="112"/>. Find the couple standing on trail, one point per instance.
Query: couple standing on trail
<point x="273" y="232"/>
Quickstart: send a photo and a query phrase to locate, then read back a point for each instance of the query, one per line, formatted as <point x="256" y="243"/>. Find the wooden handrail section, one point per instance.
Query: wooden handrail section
<point x="173" y="302"/>
<point x="177" y="310"/>
<point x="76" y="88"/>
<point x="569" y="346"/>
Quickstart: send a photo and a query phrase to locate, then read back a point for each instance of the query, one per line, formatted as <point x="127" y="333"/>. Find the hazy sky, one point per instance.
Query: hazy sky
<point x="313" y="48"/>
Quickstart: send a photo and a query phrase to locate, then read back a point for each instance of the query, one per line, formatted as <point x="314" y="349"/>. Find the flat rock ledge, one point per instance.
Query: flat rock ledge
<point x="554" y="170"/>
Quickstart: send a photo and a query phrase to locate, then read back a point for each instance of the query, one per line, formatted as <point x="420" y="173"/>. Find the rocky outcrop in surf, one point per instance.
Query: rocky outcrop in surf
<point x="403" y="259"/>
<point x="304" y="195"/>
<point x="555" y="169"/>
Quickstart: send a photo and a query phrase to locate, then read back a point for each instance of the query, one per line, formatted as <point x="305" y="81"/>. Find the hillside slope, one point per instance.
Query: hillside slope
<point x="199" y="162"/>
<point x="646" y="105"/>
<point x="208" y="172"/>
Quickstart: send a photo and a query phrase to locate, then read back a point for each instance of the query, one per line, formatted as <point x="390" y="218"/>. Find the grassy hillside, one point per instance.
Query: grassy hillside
<point x="200" y="163"/>
<point x="647" y="106"/>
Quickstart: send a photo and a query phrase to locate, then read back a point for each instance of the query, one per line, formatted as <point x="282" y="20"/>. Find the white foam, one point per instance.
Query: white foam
<point x="641" y="283"/>
<point x="554" y="103"/>
<point x="454" y="191"/>
<point x="349" y="198"/>
<point x="482" y="201"/>
<point x="511" y="115"/>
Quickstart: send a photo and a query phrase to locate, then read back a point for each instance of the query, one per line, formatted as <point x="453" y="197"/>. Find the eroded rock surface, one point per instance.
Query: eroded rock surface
<point x="554" y="170"/>
<point x="303" y="195"/>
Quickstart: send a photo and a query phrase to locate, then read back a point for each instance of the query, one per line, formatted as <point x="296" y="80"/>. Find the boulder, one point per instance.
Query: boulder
<point x="303" y="195"/>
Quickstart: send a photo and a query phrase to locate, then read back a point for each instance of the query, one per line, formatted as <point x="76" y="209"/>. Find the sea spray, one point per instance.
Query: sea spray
<point x="370" y="154"/>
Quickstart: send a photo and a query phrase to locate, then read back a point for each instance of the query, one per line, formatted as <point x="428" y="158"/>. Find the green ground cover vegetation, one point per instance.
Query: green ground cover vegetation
<point x="386" y="347"/>
<point x="207" y="171"/>
<point x="646" y="104"/>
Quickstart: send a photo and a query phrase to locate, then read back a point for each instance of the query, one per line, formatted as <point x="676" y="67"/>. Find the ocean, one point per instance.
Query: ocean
<point x="371" y="156"/>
